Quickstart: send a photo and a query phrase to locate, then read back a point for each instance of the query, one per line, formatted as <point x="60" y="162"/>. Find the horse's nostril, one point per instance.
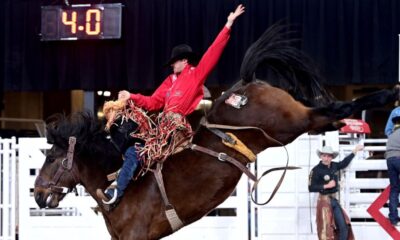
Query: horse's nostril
<point x="40" y="200"/>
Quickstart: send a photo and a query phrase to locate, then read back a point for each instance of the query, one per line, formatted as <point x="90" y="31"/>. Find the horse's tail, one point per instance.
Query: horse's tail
<point x="294" y="71"/>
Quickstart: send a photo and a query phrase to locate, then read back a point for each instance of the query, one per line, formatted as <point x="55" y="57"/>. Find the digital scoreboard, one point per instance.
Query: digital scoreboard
<point x="84" y="21"/>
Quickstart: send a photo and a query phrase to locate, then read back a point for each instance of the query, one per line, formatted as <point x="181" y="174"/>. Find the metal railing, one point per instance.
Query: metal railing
<point x="40" y="125"/>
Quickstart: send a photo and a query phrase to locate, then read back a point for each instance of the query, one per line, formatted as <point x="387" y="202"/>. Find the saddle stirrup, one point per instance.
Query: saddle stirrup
<point x="113" y="199"/>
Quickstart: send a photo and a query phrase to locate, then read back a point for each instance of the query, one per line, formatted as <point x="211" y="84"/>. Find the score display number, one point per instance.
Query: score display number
<point x="99" y="21"/>
<point x="92" y="23"/>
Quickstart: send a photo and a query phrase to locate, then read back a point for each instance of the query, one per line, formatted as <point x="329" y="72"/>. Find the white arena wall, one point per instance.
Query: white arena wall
<point x="290" y="215"/>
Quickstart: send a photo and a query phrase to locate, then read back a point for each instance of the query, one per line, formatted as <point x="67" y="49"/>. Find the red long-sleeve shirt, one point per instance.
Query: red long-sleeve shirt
<point x="182" y="93"/>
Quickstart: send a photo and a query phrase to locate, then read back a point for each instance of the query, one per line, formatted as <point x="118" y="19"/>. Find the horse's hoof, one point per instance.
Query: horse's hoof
<point x="338" y="124"/>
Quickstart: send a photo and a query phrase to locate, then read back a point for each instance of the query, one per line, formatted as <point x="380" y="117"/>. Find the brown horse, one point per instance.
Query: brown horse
<point x="195" y="182"/>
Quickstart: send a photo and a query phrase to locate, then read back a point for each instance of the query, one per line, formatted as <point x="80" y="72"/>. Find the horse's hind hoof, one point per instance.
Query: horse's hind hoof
<point x="338" y="124"/>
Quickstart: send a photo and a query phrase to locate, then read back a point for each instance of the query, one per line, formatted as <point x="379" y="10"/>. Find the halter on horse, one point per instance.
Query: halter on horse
<point x="195" y="182"/>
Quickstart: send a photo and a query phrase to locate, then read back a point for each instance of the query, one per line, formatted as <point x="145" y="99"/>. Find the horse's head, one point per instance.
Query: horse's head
<point x="57" y="177"/>
<point x="81" y="153"/>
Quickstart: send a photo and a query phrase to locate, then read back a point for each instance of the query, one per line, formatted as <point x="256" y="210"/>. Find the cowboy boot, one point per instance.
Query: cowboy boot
<point x="110" y="196"/>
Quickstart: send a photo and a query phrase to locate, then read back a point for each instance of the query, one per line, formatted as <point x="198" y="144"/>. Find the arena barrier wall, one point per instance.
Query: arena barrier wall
<point x="290" y="215"/>
<point x="75" y="218"/>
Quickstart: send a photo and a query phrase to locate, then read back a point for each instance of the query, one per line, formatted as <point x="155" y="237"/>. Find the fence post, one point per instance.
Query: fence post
<point x="7" y="188"/>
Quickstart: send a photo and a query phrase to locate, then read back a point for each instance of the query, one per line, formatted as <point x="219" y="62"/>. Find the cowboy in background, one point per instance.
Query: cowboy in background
<point x="392" y="156"/>
<point x="178" y="96"/>
<point x="332" y="221"/>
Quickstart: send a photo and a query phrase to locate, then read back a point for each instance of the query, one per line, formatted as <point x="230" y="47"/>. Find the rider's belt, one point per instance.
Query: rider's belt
<point x="327" y="196"/>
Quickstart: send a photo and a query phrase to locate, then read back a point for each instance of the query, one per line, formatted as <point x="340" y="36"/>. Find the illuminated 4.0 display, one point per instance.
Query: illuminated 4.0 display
<point x="98" y="21"/>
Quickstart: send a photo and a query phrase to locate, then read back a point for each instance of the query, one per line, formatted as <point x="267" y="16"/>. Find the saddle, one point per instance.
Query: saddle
<point x="157" y="151"/>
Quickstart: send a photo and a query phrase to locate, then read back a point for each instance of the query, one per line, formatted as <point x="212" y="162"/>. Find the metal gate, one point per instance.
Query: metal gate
<point x="7" y="188"/>
<point x="220" y="226"/>
<point x="73" y="219"/>
<point x="291" y="213"/>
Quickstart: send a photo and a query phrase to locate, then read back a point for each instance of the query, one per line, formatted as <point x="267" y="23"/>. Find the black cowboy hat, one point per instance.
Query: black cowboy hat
<point x="183" y="51"/>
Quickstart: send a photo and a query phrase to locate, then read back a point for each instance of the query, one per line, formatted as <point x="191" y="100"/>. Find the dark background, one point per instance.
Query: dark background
<point x="352" y="42"/>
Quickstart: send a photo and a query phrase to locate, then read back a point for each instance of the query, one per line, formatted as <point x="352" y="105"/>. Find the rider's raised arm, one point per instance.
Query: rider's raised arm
<point x="213" y="53"/>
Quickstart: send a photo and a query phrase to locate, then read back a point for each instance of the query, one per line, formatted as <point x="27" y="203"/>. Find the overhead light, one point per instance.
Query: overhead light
<point x="107" y="93"/>
<point x="100" y="114"/>
<point x="99" y="93"/>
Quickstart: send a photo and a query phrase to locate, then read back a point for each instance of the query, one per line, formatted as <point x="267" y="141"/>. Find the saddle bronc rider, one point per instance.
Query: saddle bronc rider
<point x="180" y="92"/>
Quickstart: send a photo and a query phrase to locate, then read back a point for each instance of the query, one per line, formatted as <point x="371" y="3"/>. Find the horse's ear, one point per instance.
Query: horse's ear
<point x="50" y="138"/>
<point x="50" y="130"/>
<point x="56" y="129"/>
<point x="51" y="135"/>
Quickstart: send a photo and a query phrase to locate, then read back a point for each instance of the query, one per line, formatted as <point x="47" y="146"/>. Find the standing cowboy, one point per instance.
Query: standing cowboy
<point x="181" y="91"/>
<point x="331" y="218"/>
<point x="392" y="156"/>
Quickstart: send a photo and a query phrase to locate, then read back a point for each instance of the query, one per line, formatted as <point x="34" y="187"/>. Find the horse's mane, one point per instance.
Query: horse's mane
<point x="293" y="70"/>
<point x="90" y="135"/>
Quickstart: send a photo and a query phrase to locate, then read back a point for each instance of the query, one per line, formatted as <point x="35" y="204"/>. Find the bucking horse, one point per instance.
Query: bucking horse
<point x="203" y="175"/>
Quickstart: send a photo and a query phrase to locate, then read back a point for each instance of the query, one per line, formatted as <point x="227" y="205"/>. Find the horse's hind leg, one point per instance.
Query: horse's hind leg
<point x="326" y="118"/>
<point x="339" y="110"/>
<point x="332" y="126"/>
<point x="376" y="99"/>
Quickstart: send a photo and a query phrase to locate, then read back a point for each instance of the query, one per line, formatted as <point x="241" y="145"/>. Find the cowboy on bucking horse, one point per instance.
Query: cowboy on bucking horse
<point x="178" y="95"/>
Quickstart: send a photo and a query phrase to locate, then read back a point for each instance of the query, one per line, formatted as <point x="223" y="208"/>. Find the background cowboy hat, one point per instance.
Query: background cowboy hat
<point x="327" y="150"/>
